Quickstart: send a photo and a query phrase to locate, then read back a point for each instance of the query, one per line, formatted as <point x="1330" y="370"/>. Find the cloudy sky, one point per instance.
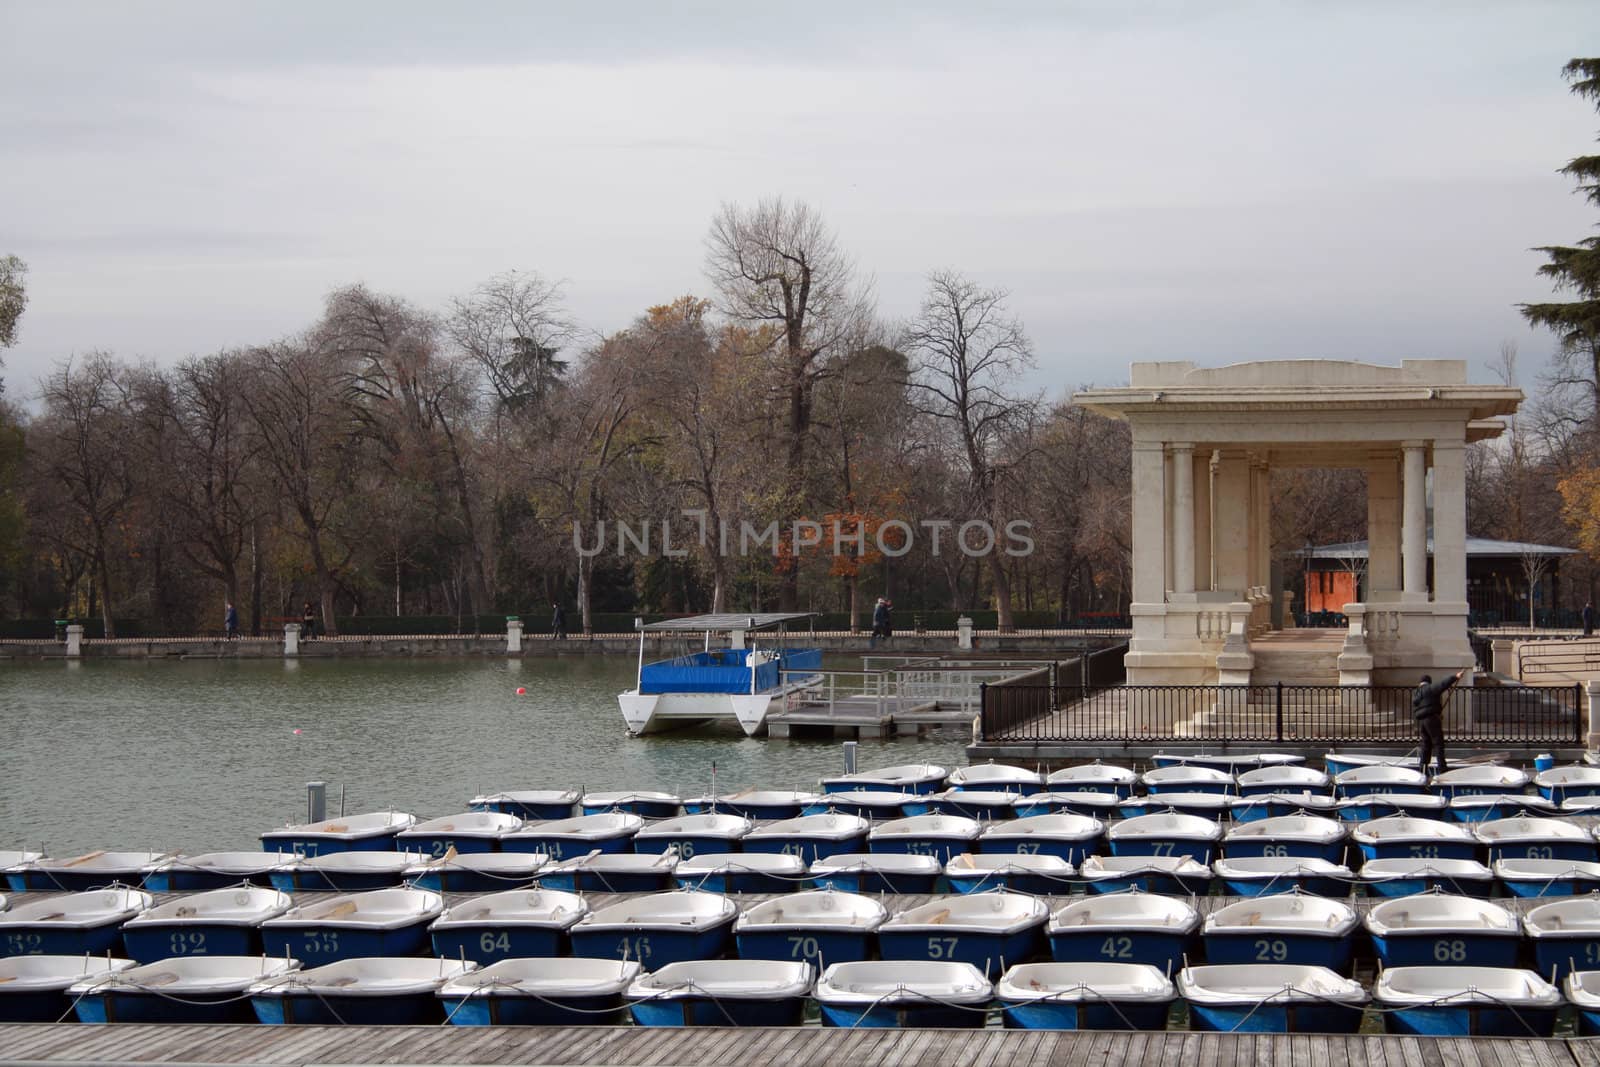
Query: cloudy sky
<point x="1150" y="181"/>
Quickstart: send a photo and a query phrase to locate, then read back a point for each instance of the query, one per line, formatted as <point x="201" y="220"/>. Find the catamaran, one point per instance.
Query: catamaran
<point x="737" y="682"/>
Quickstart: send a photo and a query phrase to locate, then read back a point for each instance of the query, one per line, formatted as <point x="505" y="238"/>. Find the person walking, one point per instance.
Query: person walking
<point x="1588" y="619"/>
<point x="558" y="623"/>
<point x="230" y="621"/>
<point x="1427" y="707"/>
<point x="308" y="622"/>
<point x="880" y="621"/>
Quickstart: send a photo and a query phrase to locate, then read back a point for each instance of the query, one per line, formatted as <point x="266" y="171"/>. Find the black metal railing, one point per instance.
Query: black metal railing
<point x="1285" y="714"/>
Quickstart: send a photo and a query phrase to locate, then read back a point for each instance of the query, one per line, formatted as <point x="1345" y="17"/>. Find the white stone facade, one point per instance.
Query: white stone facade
<point x="1205" y="442"/>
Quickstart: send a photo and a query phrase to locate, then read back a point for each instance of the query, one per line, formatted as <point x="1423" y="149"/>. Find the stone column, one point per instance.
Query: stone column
<point x="513" y="636"/>
<point x="291" y="639"/>
<point x="1203" y="571"/>
<point x="1183" y="518"/>
<point x="74" y="641"/>
<point x="1230" y="534"/>
<point x="1263" y="476"/>
<point x="1149" y="523"/>
<point x="1450" y="523"/>
<point x="1383" y="528"/>
<point x="1414" y="524"/>
<point x="1252" y="521"/>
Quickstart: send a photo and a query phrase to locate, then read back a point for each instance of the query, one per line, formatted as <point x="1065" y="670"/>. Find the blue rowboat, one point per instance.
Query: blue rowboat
<point x="810" y="837"/>
<point x="562" y="839"/>
<point x="1548" y="878"/>
<point x="1467" y="1002"/>
<point x="383" y="922"/>
<point x="1336" y="763"/>
<point x="985" y="805"/>
<point x="1271" y="998"/>
<point x="766" y="804"/>
<point x="658" y="929"/>
<point x="1183" y="779"/>
<point x="1577" y="806"/>
<point x="1093" y="778"/>
<point x="938" y="836"/>
<point x="540" y="992"/>
<point x="1559" y="784"/>
<point x="215" y="870"/>
<point x="1214" y="806"/>
<point x="507" y="925"/>
<point x="996" y="777"/>
<point x="1405" y="837"/>
<point x="1439" y="929"/>
<point x="1172" y="875"/>
<point x="216" y="922"/>
<point x="1369" y="806"/>
<point x="371" y="831"/>
<point x="33" y="989"/>
<point x="901" y="994"/>
<point x="612" y="872"/>
<point x="689" y="835"/>
<point x="345" y="872"/>
<point x="94" y="870"/>
<point x="1232" y="762"/>
<point x="1283" y="778"/>
<point x="1095" y="805"/>
<point x="1498" y="806"/>
<point x="819" y="927"/>
<point x="1125" y="928"/>
<point x="380" y="991"/>
<point x="1085" y="996"/>
<point x="1299" y="836"/>
<point x="1285" y="928"/>
<point x="187" y="989"/>
<point x="464" y="833"/>
<point x="1526" y="837"/>
<point x="1361" y="781"/>
<point x="1166" y="834"/>
<point x="988" y="930"/>
<point x="736" y="872"/>
<point x="73" y="924"/>
<point x="1408" y="877"/>
<point x="529" y="803"/>
<point x="12" y="860"/>
<point x="1273" y="805"/>
<point x="1583" y="992"/>
<point x="901" y="778"/>
<point x="647" y="804"/>
<point x="1018" y="871"/>
<point x="1072" y="838"/>
<point x="1565" y="934"/>
<point x="483" y="872"/>
<point x="1482" y="780"/>
<point x="871" y="804"/>
<point x="722" y="993"/>
<point x="877" y="872"/>
<point x="1253" y="876"/>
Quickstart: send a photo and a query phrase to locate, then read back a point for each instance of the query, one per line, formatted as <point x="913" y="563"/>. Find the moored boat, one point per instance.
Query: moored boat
<point x="1172" y="875"/>
<point x="1085" y="996"/>
<point x="938" y="836"/>
<point x="562" y="839"/>
<point x="1534" y="838"/>
<point x="381" y="922"/>
<point x="1232" y="762"/>
<point x="1559" y="784"/>
<point x="1548" y="878"/>
<point x="1380" y="778"/>
<point x="33" y="989"/>
<point x="688" y="835"/>
<point x="869" y="804"/>
<point x="1272" y="805"/>
<point x="988" y="930"/>
<point x="214" y="870"/>
<point x="1582" y="989"/>
<point x="535" y="804"/>
<point x="985" y="805"/>
<point x="462" y="833"/>
<point x="370" y="991"/>
<point x="1301" y="836"/>
<point x="1271" y="998"/>
<point x="507" y="925"/>
<point x="1498" y="806"/>
<point x="767" y="804"/>
<point x="1368" y="806"/>
<point x="92" y="870"/>
<point x="1455" y="1001"/>
<point x="1479" y="780"/>
<point x="819" y="927"/>
<point x="1019" y="871"/>
<point x="1289" y="927"/>
<point x="1094" y="804"/>
<point x="1283" y="778"/>
<point x="540" y="991"/>
<point x="1072" y="838"/>
<point x="1166" y="834"/>
<point x="810" y="837"/>
<point x="1187" y="779"/>
<point x="1093" y="778"/>
<point x="345" y="872"/>
<point x="1252" y="876"/>
<point x="214" y="922"/>
<point x="1213" y="806"/>
<point x="371" y="831"/>
<point x="996" y="777"/>
<point x="722" y="993"/>
<point x="1565" y="934"/>
<point x="896" y="993"/>
<point x="877" y="872"/>
<point x="658" y="929"/>
<point x="185" y="989"/>
<point x="613" y="872"/>
<point x="1405" y="837"/>
<point x="86" y="922"/>
<point x="1441" y="928"/>
<point x="480" y="872"/>
<point x="738" y="872"/>
<point x="1404" y="877"/>
<point x="900" y="778"/>
<point x="647" y="803"/>
<point x="1129" y="927"/>
<point x="1336" y="763"/>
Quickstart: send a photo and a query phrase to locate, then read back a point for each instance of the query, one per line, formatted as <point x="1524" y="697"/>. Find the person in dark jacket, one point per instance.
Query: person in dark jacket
<point x="880" y="621"/>
<point x="230" y="621"/>
<point x="558" y="623"/>
<point x="1588" y="619"/>
<point x="308" y="622"/>
<point x="1427" y="707"/>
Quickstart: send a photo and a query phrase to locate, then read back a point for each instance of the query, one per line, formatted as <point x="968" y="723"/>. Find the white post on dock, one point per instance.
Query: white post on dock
<point x="850" y="757"/>
<point x="291" y="639"/>
<point x="964" y="633"/>
<point x="513" y="635"/>
<point x="74" y="641"/>
<point x="316" y="801"/>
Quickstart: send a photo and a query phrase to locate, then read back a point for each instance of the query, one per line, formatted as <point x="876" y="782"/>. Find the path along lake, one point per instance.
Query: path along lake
<point x="202" y="755"/>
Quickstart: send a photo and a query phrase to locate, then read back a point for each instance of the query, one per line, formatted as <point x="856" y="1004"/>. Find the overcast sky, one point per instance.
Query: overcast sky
<point x="1192" y="181"/>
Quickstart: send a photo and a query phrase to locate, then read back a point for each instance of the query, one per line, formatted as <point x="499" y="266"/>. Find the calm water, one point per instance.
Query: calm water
<point x="202" y="755"/>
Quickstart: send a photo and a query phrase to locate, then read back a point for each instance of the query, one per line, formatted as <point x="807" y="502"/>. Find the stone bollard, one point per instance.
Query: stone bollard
<point x="1591" y="736"/>
<point x="291" y="639"/>
<point x="74" y="641"/>
<point x="964" y="633"/>
<point x="513" y="635"/>
<point x="1503" y="657"/>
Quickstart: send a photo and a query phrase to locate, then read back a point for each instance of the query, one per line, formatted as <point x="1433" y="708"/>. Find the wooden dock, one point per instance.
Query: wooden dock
<point x="624" y="1046"/>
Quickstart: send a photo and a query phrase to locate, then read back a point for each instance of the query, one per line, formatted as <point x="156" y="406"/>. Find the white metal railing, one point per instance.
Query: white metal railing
<point x="917" y="682"/>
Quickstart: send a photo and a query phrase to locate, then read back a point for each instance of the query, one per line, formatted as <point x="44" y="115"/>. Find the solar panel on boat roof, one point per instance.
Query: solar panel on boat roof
<point x="746" y="621"/>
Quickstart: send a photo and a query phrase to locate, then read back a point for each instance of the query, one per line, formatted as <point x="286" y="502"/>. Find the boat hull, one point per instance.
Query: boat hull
<point x="737" y="881"/>
<point x="943" y="849"/>
<point x="809" y="849"/>
<point x="196" y="881"/>
<point x="317" y="881"/>
<point x="547" y="1009"/>
<point x="1563" y="955"/>
<point x="1334" y="953"/>
<point x="1471" y="1020"/>
<point x="489" y="943"/>
<point x="132" y="1006"/>
<point x="1317" y="885"/>
<point x="26" y="880"/>
<point x="150" y="943"/>
<point x="912" y="1016"/>
<point x="709" y="1011"/>
<point x="308" y="845"/>
<point x="650" y="713"/>
<point x="314" y="945"/>
<point x="653" y="947"/>
<point x="1162" y="949"/>
<point x="526" y="810"/>
<point x="434" y="846"/>
<point x="653" y="881"/>
<point x="456" y="880"/>
<point x="1272" y="1018"/>
<point x="1417" y="850"/>
<point x="1159" y="883"/>
<point x="1544" y="850"/>
<point x="314" y="1009"/>
<point x="1453" y="949"/>
<point x="1201" y="849"/>
<point x="818" y="946"/>
<point x="1560" y="886"/>
<point x="1086" y="1015"/>
<point x="643" y="807"/>
<point x="869" y="881"/>
<point x="1016" y="881"/>
<point x="41" y="1006"/>
<point x="990" y="953"/>
<point x="51" y="939"/>
<point x="686" y="846"/>
<point x="565" y="847"/>
<point x="1244" y="847"/>
<point x="1072" y="849"/>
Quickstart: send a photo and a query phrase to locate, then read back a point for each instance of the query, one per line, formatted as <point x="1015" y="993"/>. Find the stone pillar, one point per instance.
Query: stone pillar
<point x="964" y="633"/>
<point x="1183" y="519"/>
<point x="1203" y="572"/>
<point x="513" y="636"/>
<point x="1149" y="523"/>
<point x="1414" y="524"/>
<point x="1288" y="610"/>
<point x="1252" y="533"/>
<point x="291" y="639"/>
<point x="1383" y="529"/>
<point x="1263" y="515"/>
<point x="1591" y="736"/>
<point x="74" y="641"/>
<point x="1503" y="657"/>
<point x="1230" y="534"/>
<point x="1450" y="524"/>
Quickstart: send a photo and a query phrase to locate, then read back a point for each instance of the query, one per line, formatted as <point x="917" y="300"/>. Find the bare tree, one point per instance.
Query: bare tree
<point x="967" y="352"/>
<point x="514" y="327"/>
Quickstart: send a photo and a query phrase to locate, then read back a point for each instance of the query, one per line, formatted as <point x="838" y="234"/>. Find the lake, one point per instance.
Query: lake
<point x="202" y="755"/>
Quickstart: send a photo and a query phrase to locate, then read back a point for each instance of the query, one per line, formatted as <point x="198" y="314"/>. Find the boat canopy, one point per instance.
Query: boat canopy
<point x="729" y="622"/>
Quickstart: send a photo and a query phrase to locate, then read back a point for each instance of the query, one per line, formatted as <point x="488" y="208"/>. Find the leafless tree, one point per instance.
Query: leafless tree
<point x="514" y="327"/>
